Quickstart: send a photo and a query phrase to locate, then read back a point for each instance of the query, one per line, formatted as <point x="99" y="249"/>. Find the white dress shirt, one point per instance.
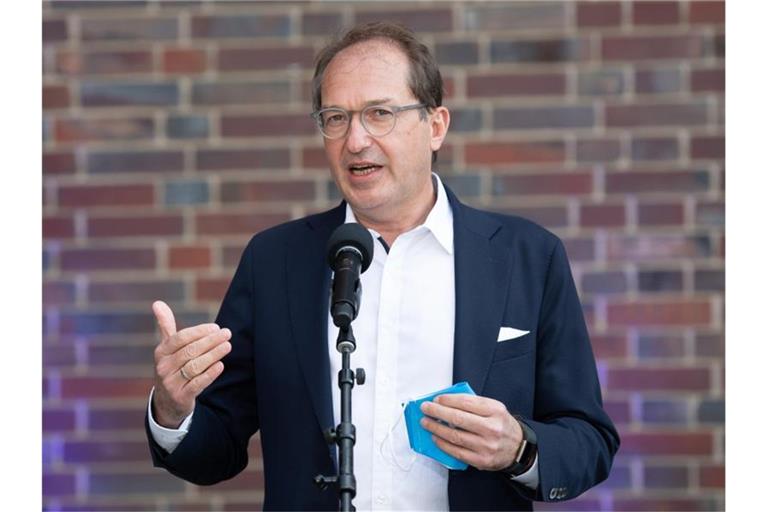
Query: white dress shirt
<point x="404" y="333"/>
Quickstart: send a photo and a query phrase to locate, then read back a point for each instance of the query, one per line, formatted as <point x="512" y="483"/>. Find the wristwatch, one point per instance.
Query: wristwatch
<point x="526" y="454"/>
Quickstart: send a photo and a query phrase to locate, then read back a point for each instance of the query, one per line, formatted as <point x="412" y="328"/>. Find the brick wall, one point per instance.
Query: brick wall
<point x="173" y="131"/>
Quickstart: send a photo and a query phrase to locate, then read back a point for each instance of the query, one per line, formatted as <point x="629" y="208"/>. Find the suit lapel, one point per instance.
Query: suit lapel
<point x="308" y="294"/>
<point x="482" y="281"/>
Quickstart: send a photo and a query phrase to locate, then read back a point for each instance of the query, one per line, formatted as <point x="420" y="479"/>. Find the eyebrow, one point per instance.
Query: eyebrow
<point x="378" y="101"/>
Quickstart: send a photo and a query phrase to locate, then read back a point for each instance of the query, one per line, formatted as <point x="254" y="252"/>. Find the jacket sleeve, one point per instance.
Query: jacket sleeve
<point x="576" y="438"/>
<point x="225" y="418"/>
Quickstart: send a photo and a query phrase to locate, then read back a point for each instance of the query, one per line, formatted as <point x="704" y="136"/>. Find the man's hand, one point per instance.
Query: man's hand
<point x="485" y="435"/>
<point x="186" y="362"/>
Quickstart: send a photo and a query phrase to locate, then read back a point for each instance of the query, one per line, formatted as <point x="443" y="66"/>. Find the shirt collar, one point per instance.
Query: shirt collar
<point x="439" y="221"/>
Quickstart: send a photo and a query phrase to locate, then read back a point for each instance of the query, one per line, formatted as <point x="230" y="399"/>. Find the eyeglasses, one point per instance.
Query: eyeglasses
<point x="378" y="120"/>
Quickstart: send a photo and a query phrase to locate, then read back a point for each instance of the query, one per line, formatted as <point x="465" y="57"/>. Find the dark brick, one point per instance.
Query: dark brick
<point x="59" y="356"/>
<point x="641" y="47"/>
<point x="601" y="82"/>
<point x="134" y="94"/>
<point x="602" y="215"/>
<point x="657" y="379"/>
<point x="90" y="130"/>
<point x="657" y="148"/>
<point x="222" y="93"/>
<point x="659" y="80"/>
<point x="553" y="50"/>
<point x="103" y="451"/>
<point x="55" y="96"/>
<point x="710" y="213"/>
<point x="135" y="291"/>
<point x="83" y="323"/>
<point x="501" y="153"/>
<point x="707" y="12"/>
<point x="140" y="161"/>
<point x="251" y="159"/>
<point x="550" y="183"/>
<point x="465" y="185"/>
<point x="664" y="412"/>
<point x="579" y="249"/>
<point x="712" y="477"/>
<point x="708" y="147"/>
<point x="660" y="214"/>
<point x="514" y="15"/>
<point x="457" y="52"/>
<point x="528" y="84"/>
<point x="611" y="346"/>
<point x="665" y="477"/>
<point x="144" y="225"/>
<point x="655" y="13"/>
<point x="117" y="484"/>
<point x="59" y="226"/>
<point x="80" y="196"/>
<point x="709" y="281"/>
<point x="117" y="355"/>
<point x="710" y="345"/>
<point x="690" y="114"/>
<point x="651" y="181"/>
<point x="598" y="150"/>
<point x="54" y="31"/>
<point x="547" y="216"/>
<point x="186" y="193"/>
<point x="67" y="5"/>
<point x="58" y="484"/>
<point x="641" y="313"/>
<point x="419" y="20"/>
<point x="598" y="14"/>
<point x="466" y="119"/>
<point x="266" y="125"/>
<point x="604" y="282"/>
<point x="107" y="259"/>
<point x="58" y="419"/>
<point x="187" y="127"/>
<point x="648" y="247"/>
<point x="211" y="289"/>
<point x="527" y="118"/>
<point x="104" y="63"/>
<point x="259" y="191"/>
<point x="236" y="223"/>
<point x="320" y="23"/>
<point x="128" y="29"/>
<point x="246" y="59"/>
<point x="240" y="26"/>
<point x="711" y="411"/>
<point x="58" y="292"/>
<point x="673" y="503"/>
<point x="114" y="419"/>
<point x="708" y="80"/>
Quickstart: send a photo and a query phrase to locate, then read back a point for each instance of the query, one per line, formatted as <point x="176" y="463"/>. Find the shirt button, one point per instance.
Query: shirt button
<point x="381" y="499"/>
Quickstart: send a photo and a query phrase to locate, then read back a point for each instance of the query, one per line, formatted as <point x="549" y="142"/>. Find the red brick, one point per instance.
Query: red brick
<point x="237" y="223"/>
<point x="105" y="387"/>
<point x="211" y="289"/>
<point x="149" y="225"/>
<point x="246" y="59"/>
<point x="707" y="12"/>
<point x="651" y="181"/>
<point x="87" y="130"/>
<point x="58" y="292"/>
<point x="680" y="114"/>
<point x="573" y="183"/>
<point x="602" y="215"/>
<point x="643" y="313"/>
<point x="612" y="346"/>
<point x="55" y="96"/>
<point x="665" y="477"/>
<point x="708" y="80"/>
<point x="101" y="419"/>
<point x="712" y="476"/>
<point x="231" y="254"/>
<point x="135" y="291"/>
<point x="184" y="60"/>
<point x="547" y="216"/>
<point x="258" y="191"/>
<point x="58" y="226"/>
<point x="314" y="158"/>
<point x="419" y="20"/>
<point x="58" y="162"/>
<point x="598" y="14"/>
<point x="320" y="23"/>
<point x="79" y="196"/>
<point x="237" y="158"/>
<point x="267" y="125"/>
<point x="114" y="450"/>
<point x="508" y="153"/>
<point x="618" y="410"/>
<point x="707" y="146"/>
<point x="580" y="249"/>
<point x="660" y="214"/>
<point x="650" y="247"/>
<point x="102" y="63"/>
<point x="638" y="47"/>
<point x="658" y="379"/>
<point x="189" y="256"/>
<point x="107" y="259"/>
<point x="517" y="84"/>
<point x="655" y="13"/>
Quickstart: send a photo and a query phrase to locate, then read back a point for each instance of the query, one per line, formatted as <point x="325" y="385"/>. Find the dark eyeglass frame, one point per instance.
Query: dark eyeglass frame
<point x="317" y="116"/>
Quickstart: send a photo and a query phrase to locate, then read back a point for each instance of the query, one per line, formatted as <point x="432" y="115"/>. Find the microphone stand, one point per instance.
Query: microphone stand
<point x="344" y="433"/>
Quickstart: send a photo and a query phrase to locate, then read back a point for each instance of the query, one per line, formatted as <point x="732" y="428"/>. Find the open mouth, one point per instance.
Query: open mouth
<point x="363" y="169"/>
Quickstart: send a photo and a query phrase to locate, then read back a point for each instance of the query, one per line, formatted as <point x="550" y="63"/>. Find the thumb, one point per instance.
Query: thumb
<point x="165" y="320"/>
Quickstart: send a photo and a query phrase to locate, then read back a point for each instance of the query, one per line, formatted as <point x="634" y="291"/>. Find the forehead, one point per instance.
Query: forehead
<point x="366" y="71"/>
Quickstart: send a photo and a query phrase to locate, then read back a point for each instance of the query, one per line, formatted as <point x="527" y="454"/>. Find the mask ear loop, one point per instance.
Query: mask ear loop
<point x="388" y="441"/>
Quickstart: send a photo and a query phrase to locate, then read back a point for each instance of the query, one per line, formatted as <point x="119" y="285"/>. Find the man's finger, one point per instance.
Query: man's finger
<point x="191" y="334"/>
<point x="200" y="364"/>
<point x="196" y="385"/>
<point x="479" y="405"/>
<point x="458" y="437"/>
<point x="165" y="320"/>
<point x="454" y="416"/>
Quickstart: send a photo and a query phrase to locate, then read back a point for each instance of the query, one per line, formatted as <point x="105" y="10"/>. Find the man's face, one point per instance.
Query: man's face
<point x="380" y="177"/>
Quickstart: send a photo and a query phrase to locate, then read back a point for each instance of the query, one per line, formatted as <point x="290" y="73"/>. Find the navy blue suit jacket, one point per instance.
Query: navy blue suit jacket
<point x="508" y="272"/>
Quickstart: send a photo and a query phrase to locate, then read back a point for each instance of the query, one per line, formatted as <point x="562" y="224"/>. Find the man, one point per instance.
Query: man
<point x="453" y="294"/>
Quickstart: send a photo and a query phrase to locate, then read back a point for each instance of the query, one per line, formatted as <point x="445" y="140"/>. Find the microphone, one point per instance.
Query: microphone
<point x="350" y="252"/>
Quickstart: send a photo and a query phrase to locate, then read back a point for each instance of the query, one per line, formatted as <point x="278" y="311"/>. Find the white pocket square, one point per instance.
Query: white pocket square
<point x="510" y="333"/>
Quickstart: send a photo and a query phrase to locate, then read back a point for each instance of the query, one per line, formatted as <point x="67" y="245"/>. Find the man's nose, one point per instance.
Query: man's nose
<point x="358" y="137"/>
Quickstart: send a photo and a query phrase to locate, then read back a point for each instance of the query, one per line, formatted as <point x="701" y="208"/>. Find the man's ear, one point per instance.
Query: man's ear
<point x="439" y="119"/>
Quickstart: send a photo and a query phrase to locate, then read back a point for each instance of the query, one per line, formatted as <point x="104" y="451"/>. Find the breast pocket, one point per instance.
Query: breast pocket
<point x="515" y="347"/>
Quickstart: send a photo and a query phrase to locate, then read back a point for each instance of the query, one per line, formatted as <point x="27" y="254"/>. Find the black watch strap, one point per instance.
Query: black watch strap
<point x="526" y="454"/>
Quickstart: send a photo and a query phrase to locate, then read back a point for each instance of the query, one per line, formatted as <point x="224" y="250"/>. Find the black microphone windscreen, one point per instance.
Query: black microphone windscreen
<point x="355" y="235"/>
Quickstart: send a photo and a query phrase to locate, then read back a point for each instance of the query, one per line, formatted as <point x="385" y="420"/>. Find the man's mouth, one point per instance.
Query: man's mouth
<point x="363" y="168"/>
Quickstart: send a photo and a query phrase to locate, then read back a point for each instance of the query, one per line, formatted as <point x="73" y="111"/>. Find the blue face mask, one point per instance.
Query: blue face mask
<point x="420" y="439"/>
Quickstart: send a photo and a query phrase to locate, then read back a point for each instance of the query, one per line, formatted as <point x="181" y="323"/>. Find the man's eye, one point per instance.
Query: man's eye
<point x="381" y="112"/>
<point x="335" y="119"/>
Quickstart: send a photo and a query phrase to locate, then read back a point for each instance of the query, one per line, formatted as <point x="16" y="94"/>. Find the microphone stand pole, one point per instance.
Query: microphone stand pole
<point x="344" y="433"/>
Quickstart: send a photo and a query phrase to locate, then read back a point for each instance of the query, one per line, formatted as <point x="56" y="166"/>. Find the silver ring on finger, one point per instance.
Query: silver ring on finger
<point x="184" y="374"/>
